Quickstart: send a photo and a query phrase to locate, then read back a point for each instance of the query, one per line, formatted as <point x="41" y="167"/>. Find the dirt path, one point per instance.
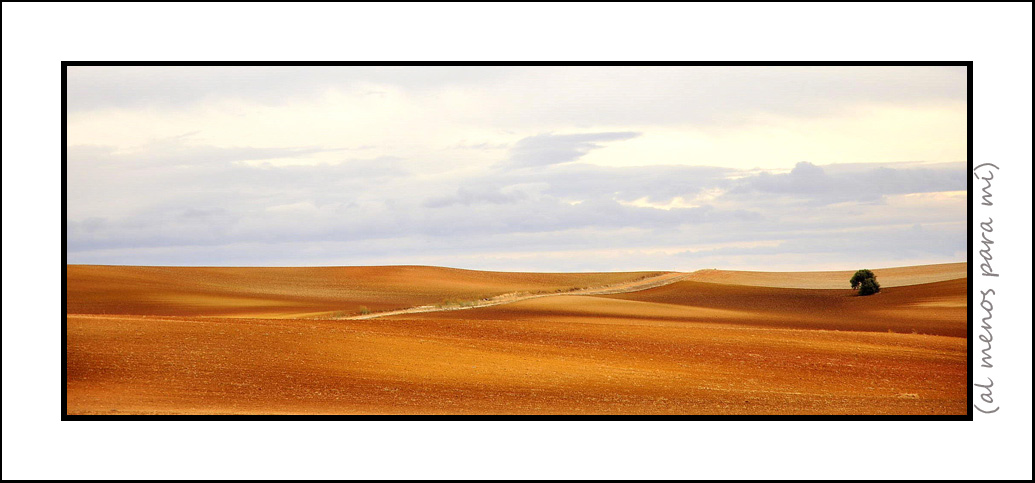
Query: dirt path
<point x="633" y="286"/>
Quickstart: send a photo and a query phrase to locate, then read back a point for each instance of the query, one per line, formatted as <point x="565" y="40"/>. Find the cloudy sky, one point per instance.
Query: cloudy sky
<point x="518" y="168"/>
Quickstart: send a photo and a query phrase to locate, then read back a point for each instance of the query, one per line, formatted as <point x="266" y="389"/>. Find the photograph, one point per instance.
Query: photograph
<point x="518" y="240"/>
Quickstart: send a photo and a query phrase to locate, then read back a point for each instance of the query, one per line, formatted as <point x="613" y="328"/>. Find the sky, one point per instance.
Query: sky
<point x="550" y="169"/>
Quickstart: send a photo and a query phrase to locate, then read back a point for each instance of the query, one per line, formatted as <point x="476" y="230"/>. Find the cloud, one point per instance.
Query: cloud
<point x="468" y="196"/>
<point x="179" y="151"/>
<point x="889" y="242"/>
<point x="358" y="204"/>
<point x="176" y="87"/>
<point x="547" y="149"/>
<point x="808" y="182"/>
<point x="573" y="95"/>
<point x="515" y="166"/>
<point x="630" y="183"/>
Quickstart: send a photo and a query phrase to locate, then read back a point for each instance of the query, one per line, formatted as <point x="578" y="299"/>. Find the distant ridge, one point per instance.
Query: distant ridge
<point x="888" y="277"/>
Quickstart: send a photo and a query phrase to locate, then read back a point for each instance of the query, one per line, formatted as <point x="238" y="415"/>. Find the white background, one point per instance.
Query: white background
<point x="36" y="37"/>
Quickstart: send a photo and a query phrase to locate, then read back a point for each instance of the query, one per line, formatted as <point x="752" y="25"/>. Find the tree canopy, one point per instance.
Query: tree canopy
<point x="865" y="281"/>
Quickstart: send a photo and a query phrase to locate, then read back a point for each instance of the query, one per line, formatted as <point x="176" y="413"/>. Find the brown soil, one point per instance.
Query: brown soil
<point x="147" y="340"/>
<point x="293" y="292"/>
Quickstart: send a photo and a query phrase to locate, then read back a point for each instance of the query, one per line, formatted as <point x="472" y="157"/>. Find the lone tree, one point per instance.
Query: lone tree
<point x="866" y="282"/>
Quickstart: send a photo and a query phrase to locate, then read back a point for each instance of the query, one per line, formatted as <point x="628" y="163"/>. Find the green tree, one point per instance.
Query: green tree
<point x="869" y="287"/>
<point x="866" y="282"/>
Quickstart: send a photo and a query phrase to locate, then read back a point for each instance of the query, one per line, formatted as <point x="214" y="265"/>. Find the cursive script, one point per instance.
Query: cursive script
<point x="987" y="306"/>
<point x="989" y="175"/>
<point x="986" y="397"/>
<point x="986" y="172"/>
<point x="986" y="252"/>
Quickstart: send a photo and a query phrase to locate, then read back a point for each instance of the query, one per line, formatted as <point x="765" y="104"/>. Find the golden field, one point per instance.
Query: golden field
<point x="191" y="340"/>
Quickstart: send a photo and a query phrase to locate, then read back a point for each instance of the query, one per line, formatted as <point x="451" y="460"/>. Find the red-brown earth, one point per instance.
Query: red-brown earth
<point x="167" y="340"/>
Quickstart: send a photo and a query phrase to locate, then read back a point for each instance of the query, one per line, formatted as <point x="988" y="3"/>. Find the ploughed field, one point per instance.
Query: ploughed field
<point x="179" y="340"/>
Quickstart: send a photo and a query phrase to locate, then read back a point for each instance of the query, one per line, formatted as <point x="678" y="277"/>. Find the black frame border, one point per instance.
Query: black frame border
<point x="474" y="417"/>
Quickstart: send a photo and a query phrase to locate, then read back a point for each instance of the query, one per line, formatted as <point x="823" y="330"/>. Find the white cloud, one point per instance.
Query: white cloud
<point x="532" y="168"/>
